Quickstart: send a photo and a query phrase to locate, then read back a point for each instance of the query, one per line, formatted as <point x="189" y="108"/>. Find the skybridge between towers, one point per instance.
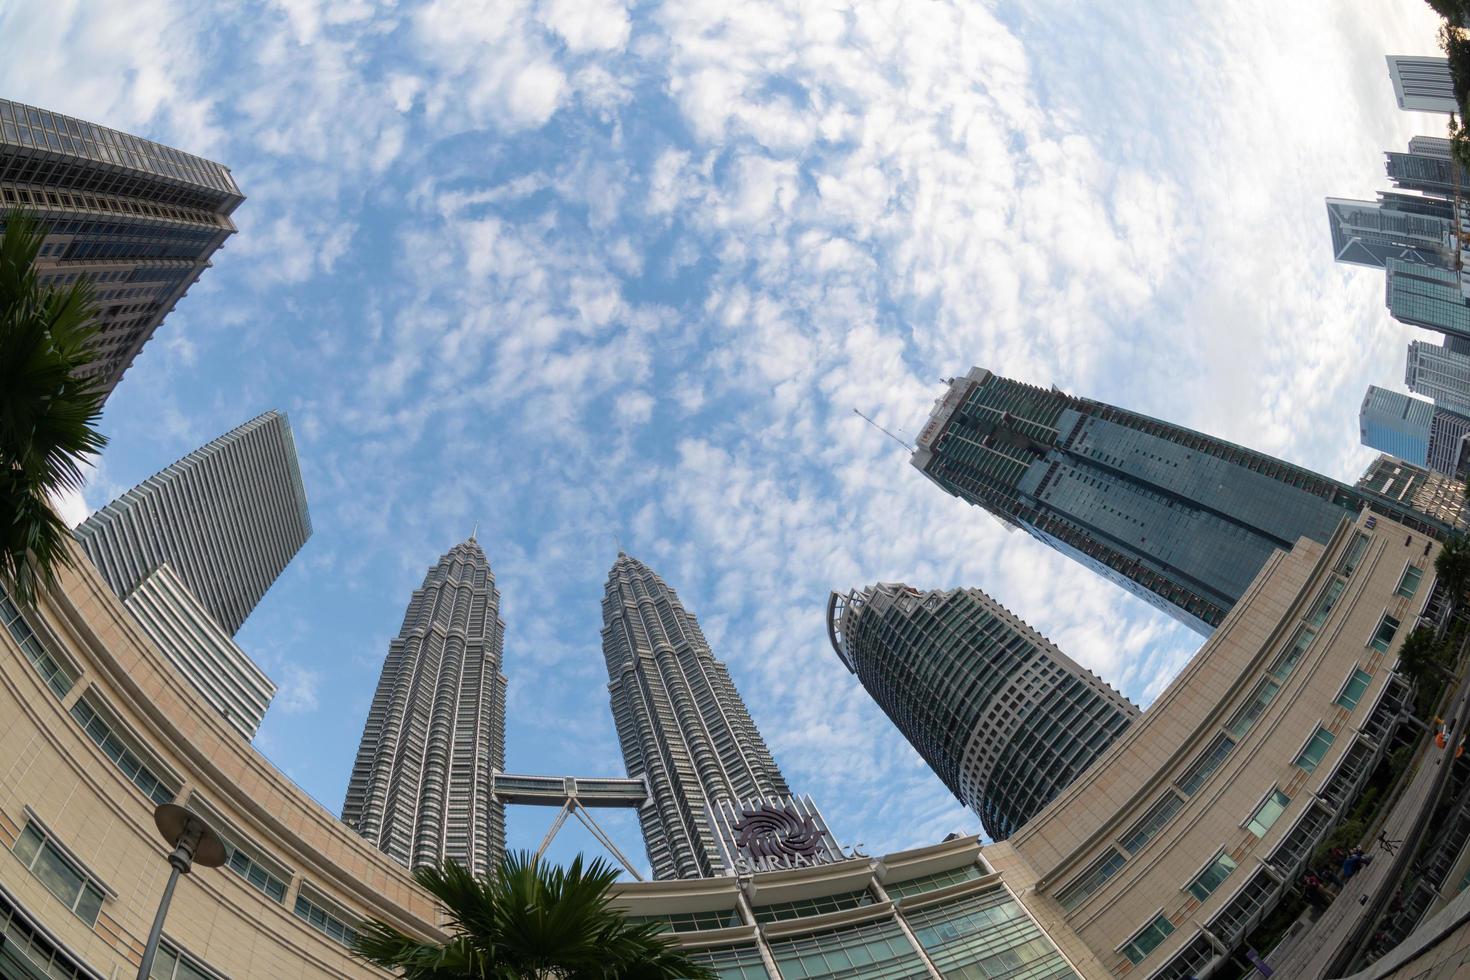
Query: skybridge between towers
<point x="573" y="795"/>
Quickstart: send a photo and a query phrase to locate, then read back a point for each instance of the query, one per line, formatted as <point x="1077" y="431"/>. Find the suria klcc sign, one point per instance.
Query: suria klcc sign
<point x="774" y="834"/>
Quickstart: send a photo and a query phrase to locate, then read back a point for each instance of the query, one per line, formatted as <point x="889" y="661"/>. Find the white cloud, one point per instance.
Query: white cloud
<point x="588" y="25"/>
<point x="483" y="239"/>
<point x="297" y="693"/>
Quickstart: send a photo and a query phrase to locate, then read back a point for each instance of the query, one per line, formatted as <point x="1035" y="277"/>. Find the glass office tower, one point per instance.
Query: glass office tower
<point x="1182" y="520"/>
<point x="1001" y="715"/>
<point x="139" y="219"/>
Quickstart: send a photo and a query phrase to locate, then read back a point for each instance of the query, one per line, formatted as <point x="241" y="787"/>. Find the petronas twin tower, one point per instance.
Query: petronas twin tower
<point x="422" y="788"/>
<point x="682" y="724"/>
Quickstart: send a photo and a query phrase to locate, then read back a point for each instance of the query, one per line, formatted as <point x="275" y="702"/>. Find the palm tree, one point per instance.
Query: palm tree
<point x="1452" y="566"/>
<point x="531" y="921"/>
<point x="48" y="413"/>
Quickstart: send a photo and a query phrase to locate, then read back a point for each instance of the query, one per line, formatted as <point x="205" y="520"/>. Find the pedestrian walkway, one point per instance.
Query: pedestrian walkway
<point x="1310" y="955"/>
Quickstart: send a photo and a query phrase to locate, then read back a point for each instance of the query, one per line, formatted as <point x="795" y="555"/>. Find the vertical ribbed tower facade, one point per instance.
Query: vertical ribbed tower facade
<point x="680" y="721"/>
<point x="1180" y="519"/>
<point x="138" y="219"/>
<point x="228" y="518"/>
<point x="421" y="786"/>
<point x="1003" y="717"/>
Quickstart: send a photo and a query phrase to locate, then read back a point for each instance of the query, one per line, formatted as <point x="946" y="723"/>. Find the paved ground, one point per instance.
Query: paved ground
<point x="1311" y="954"/>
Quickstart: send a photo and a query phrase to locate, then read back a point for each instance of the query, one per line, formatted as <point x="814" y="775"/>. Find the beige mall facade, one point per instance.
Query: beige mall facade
<point x="1152" y="864"/>
<point x="1176" y="843"/>
<point x="97" y="728"/>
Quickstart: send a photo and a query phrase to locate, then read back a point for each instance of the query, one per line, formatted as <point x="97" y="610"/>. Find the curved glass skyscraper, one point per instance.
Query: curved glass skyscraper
<point x="680" y="721"/>
<point x="421" y="785"/>
<point x="1002" y="716"/>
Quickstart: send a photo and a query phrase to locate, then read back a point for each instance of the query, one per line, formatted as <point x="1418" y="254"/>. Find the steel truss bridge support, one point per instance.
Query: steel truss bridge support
<point x="574" y="796"/>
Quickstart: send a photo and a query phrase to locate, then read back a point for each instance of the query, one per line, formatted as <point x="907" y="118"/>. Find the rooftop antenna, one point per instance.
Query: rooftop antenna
<point x="475" y="531"/>
<point x="883" y="430"/>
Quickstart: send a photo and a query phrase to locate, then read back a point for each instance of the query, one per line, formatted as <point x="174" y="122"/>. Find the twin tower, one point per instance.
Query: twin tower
<point x="1006" y="720"/>
<point x="423" y="786"/>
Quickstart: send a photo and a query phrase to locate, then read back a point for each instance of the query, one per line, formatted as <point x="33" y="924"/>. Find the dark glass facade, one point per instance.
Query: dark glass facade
<point x="1182" y="520"/>
<point x="138" y="220"/>
<point x="1004" y="718"/>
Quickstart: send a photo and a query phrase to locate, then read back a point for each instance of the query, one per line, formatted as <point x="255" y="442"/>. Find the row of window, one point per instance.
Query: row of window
<point x="1274" y="805"/>
<point x="45" y="859"/>
<point x="57" y="677"/>
<point x="1106" y="866"/>
<point x="99" y="731"/>
<point x="49" y="862"/>
<point x="324" y="921"/>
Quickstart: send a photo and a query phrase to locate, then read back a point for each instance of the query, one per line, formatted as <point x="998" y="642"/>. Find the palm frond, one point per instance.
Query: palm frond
<point x="48" y="412"/>
<point x="532" y="920"/>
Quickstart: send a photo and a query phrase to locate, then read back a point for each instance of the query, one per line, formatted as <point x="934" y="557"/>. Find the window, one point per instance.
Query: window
<point x="692" y="921"/>
<point x="1387" y="627"/>
<point x="871" y="950"/>
<point x="928" y="883"/>
<point x="1267" y="813"/>
<point x="1354" y="554"/>
<point x="251" y="869"/>
<point x="1409" y="583"/>
<point x="1205" y="883"/>
<point x="1326" y="602"/>
<point x="1352" y="692"/>
<point x="324" y="921"/>
<point x="1289" y="657"/>
<point x="1152" y="822"/>
<point x="44" y="859"/>
<point x="732" y="962"/>
<point x="100" y="731"/>
<point x="1316" y="747"/>
<point x="1148" y="939"/>
<point x="252" y="863"/>
<point x="1090" y="880"/>
<point x="1251" y="710"/>
<point x="172" y="963"/>
<point x="57" y="677"/>
<point x="1209" y="760"/>
<point x="812" y="906"/>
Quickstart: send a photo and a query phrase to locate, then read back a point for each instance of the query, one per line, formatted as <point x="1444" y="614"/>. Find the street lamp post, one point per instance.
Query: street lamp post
<point x="193" y="843"/>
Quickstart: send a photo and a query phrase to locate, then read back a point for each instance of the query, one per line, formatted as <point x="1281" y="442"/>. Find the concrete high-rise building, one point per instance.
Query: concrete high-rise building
<point x="1180" y="519"/>
<point x="1437" y="372"/>
<point x="203" y="652"/>
<point x="228" y="518"/>
<point x="1396" y="226"/>
<point x="1422" y="84"/>
<point x="1001" y="715"/>
<point x="138" y="219"/>
<point x="680" y="721"/>
<point x="421" y="788"/>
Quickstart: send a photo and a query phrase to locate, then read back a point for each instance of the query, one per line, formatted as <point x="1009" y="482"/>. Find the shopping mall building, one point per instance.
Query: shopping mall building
<point x="1154" y="863"/>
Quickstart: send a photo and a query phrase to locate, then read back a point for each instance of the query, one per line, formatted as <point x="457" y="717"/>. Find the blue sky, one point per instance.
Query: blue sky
<point x="589" y="273"/>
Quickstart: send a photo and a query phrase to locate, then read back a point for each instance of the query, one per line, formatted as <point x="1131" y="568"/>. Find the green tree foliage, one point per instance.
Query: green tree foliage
<point x="1452" y="565"/>
<point x="48" y="414"/>
<point x="1422" y="657"/>
<point x="531" y="920"/>
<point x="1456" y="45"/>
<point x="1457" y="12"/>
